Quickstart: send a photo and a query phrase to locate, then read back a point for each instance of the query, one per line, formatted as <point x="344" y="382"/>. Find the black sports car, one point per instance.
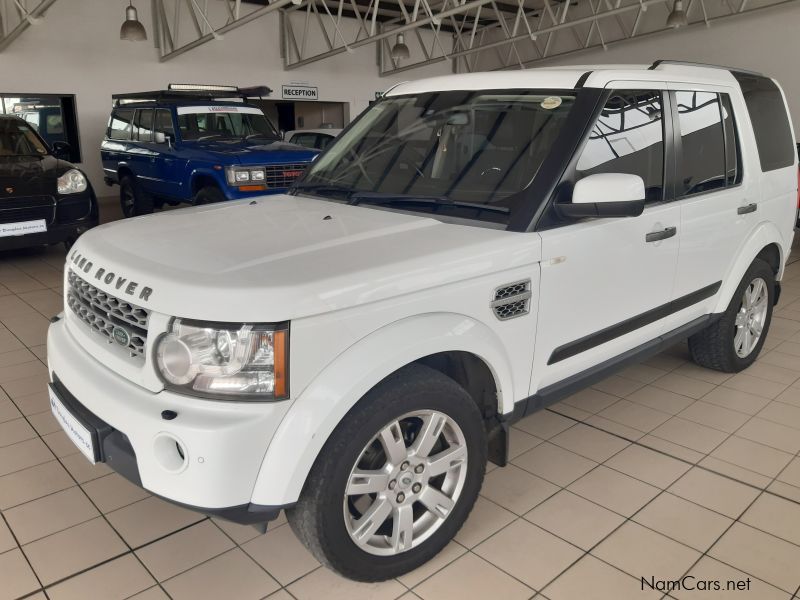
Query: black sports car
<point x="43" y="199"/>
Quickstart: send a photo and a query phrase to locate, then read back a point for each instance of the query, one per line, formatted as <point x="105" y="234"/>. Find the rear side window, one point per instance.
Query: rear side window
<point x="119" y="127"/>
<point x="628" y="138"/>
<point x="770" y="121"/>
<point x="702" y="164"/>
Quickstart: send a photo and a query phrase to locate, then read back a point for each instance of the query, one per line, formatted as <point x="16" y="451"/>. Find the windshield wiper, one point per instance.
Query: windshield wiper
<point x="310" y="186"/>
<point x="388" y="199"/>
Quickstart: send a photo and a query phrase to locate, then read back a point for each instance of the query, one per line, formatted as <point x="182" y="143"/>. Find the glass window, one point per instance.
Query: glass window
<point x="628" y="138"/>
<point x="308" y="140"/>
<point x="732" y="155"/>
<point x="702" y="164"/>
<point x="18" y="139"/>
<point x="164" y="123"/>
<point x="144" y="125"/>
<point x="770" y="122"/>
<point x="119" y="126"/>
<point x="456" y="153"/>
<point x="53" y="117"/>
<point x="210" y="125"/>
<point x="325" y="141"/>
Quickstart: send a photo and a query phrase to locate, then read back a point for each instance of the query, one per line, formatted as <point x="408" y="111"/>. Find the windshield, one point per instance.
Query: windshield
<point x="222" y="122"/>
<point x="18" y="139"/>
<point x="470" y="151"/>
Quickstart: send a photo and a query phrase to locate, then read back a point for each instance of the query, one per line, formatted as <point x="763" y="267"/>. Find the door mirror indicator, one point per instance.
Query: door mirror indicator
<point x="606" y="195"/>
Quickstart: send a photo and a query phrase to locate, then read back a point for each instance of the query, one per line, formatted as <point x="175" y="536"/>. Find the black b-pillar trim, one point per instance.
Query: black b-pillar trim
<point x="614" y="331"/>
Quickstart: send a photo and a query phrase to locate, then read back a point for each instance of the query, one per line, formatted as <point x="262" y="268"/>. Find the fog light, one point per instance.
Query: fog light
<point x="170" y="453"/>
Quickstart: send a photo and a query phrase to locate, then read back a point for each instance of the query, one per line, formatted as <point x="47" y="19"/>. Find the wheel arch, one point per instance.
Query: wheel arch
<point x="446" y="342"/>
<point x="203" y="178"/>
<point x="124" y="171"/>
<point x="764" y="242"/>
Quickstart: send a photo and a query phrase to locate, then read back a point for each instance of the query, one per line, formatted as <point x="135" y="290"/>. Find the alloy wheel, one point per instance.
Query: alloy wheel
<point x="405" y="483"/>
<point x="751" y="318"/>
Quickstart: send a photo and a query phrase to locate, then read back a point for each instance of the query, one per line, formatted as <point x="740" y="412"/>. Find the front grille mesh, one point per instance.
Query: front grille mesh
<point x="27" y="208"/>
<point x="512" y="300"/>
<point x="282" y="176"/>
<point x="103" y="312"/>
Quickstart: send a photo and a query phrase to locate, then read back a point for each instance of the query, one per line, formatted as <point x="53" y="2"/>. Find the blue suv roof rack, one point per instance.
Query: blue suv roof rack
<point x="186" y="93"/>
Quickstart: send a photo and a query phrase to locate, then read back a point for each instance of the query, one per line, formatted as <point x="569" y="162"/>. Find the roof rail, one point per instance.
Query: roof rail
<point x="686" y="63"/>
<point x="193" y="94"/>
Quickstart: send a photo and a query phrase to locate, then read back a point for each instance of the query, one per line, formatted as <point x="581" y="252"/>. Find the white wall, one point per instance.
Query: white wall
<point x="76" y="49"/>
<point x="767" y="41"/>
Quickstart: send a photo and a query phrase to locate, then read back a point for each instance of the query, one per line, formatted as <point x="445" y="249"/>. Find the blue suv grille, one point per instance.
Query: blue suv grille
<point x="282" y="176"/>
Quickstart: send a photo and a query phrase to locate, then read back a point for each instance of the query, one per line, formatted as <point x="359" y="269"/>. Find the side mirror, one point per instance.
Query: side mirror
<point x="62" y="150"/>
<point x="159" y="137"/>
<point x="282" y="133"/>
<point x="606" y="195"/>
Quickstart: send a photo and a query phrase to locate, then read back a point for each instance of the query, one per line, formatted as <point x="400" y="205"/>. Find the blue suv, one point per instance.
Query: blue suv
<point x="197" y="146"/>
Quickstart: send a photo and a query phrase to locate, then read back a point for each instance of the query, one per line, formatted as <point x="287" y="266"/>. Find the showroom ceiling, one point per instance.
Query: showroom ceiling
<point x="473" y="34"/>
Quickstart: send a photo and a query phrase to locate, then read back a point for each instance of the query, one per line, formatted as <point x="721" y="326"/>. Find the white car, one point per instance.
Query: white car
<point x="312" y="138"/>
<point x="472" y="249"/>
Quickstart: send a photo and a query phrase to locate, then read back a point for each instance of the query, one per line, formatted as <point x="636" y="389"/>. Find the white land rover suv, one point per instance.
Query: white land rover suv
<point x="471" y="249"/>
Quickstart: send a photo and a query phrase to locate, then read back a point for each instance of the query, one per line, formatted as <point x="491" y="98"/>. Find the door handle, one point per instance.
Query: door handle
<point x="743" y="210"/>
<point x="655" y="236"/>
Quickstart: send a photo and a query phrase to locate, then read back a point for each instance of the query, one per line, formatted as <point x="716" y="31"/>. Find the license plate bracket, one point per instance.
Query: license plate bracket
<point x="78" y="427"/>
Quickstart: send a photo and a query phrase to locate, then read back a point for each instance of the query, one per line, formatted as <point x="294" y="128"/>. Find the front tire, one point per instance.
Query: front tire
<point x="134" y="202"/>
<point x="733" y="342"/>
<point x="209" y="195"/>
<point x="397" y="478"/>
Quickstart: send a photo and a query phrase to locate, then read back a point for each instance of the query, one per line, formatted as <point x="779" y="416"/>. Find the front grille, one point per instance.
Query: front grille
<point x="512" y="300"/>
<point x="27" y="208"/>
<point x="103" y="313"/>
<point x="282" y="176"/>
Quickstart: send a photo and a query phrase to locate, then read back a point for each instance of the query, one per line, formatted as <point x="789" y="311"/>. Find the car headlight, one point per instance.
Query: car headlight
<point x="72" y="182"/>
<point x="239" y="176"/>
<point x="246" y="361"/>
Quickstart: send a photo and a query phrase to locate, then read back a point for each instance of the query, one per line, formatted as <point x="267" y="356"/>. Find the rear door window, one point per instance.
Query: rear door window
<point x="770" y="122"/>
<point x="628" y="138"/>
<point x="702" y="163"/>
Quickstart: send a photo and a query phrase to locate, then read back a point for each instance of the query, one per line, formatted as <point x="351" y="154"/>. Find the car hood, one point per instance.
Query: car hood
<point x="29" y="175"/>
<point x="282" y="257"/>
<point x="253" y="152"/>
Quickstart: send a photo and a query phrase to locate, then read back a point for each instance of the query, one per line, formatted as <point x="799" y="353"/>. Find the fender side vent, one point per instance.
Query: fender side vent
<point x="512" y="300"/>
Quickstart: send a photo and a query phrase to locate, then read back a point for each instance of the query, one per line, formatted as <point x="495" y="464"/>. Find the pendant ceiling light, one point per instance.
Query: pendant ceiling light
<point x="132" y="30"/>
<point x="677" y="18"/>
<point x="400" y="50"/>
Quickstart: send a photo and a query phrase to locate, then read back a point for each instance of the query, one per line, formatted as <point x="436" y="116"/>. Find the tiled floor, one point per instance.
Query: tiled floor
<point x="663" y="470"/>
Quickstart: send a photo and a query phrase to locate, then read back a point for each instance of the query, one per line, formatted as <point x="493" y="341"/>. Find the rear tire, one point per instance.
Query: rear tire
<point x="209" y="195"/>
<point x="733" y="342"/>
<point x="134" y="202"/>
<point x="384" y="434"/>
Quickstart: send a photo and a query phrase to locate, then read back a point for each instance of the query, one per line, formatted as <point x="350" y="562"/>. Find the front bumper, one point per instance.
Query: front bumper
<point x="55" y="234"/>
<point x="222" y="444"/>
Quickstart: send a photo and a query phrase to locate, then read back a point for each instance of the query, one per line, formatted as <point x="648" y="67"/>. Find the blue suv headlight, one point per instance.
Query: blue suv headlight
<point x="239" y="176"/>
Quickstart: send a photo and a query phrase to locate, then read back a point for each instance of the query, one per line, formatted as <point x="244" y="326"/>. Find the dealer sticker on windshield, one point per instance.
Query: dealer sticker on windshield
<point x="551" y="102"/>
<point x="23" y="228"/>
